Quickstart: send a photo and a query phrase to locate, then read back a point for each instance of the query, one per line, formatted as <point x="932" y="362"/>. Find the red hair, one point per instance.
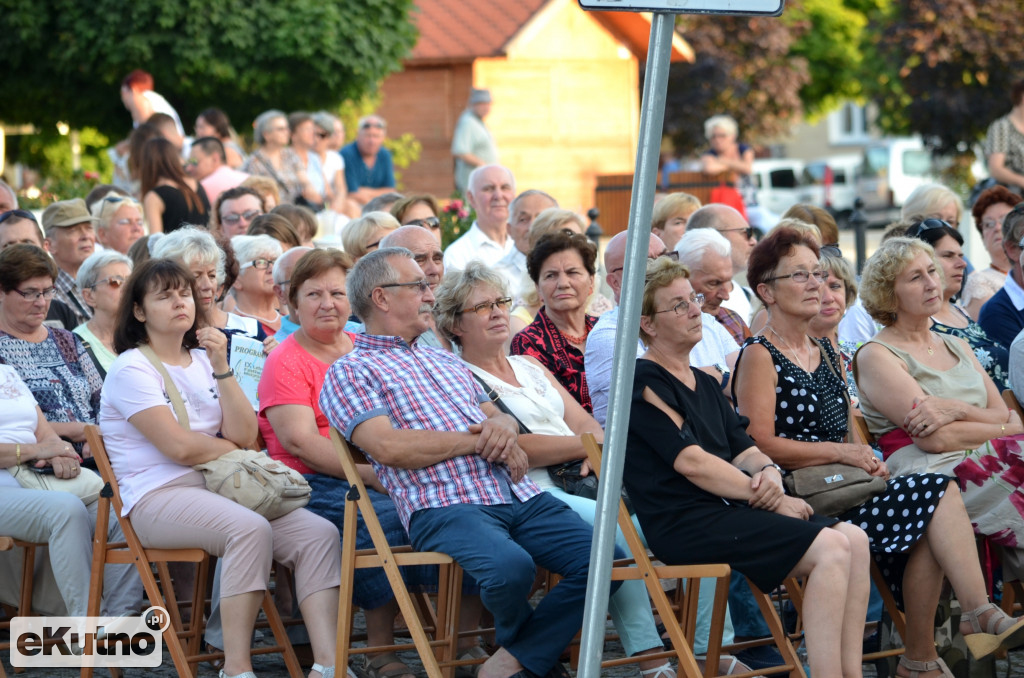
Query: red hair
<point x="138" y="81"/>
<point x="992" y="196"/>
<point x="765" y="256"/>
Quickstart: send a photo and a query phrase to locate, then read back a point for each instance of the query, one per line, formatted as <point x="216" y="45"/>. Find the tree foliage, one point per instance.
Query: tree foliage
<point x="943" y="68"/>
<point x="64" y="59"/>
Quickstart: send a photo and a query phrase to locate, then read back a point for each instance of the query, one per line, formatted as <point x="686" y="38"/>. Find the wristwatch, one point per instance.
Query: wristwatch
<point x="775" y="466"/>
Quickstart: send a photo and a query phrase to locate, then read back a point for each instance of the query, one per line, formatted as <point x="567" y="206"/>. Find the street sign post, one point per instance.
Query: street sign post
<point x="747" y="7"/>
<point x="652" y="118"/>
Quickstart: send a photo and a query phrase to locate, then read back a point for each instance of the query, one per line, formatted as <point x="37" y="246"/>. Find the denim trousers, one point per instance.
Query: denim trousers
<point x="498" y="546"/>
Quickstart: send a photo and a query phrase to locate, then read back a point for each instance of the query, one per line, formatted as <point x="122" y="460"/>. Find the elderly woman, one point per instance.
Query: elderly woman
<point x="726" y="154"/>
<point x="276" y="160"/>
<point x="668" y="220"/>
<point x="53" y="362"/>
<point x="418" y="210"/>
<point x="278" y="228"/>
<point x="932" y="201"/>
<point x="364" y="234"/>
<point x="213" y="122"/>
<point x="472" y="311"/>
<point x="988" y="212"/>
<point x="101" y="278"/>
<point x="1004" y="142"/>
<point x="704" y="493"/>
<point x="928" y="401"/>
<point x="253" y="290"/>
<point x="332" y="166"/>
<point x="296" y="433"/>
<point x="170" y="197"/>
<point x="198" y="253"/>
<point x="789" y="387"/>
<point x="152" y="455"/>
<point x="839" y="292"/>
<point x="120" y="222"/>
<point x="561" y="265"/>
<point x="951" y="318"/>
<point x="236" y="209"/>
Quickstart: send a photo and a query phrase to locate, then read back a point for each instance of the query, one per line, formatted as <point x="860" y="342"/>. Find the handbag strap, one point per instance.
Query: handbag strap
<point x="846" y="389"/>
<point x="496" y="399"/>
<point x="169" y="386"/>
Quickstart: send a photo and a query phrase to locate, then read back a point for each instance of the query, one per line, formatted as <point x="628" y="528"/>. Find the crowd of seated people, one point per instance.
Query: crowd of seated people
<point x="406" y="346"/>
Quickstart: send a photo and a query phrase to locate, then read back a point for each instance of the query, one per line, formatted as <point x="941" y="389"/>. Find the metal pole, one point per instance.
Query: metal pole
<point x="859" y="220"/>
<point x="652" y="117"/>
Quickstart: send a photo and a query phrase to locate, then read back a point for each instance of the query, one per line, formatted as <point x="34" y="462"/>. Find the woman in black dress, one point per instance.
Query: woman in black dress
<point x="788" y="384"/>
<point x="704" y="493"/>
<point x="170" y="197"/>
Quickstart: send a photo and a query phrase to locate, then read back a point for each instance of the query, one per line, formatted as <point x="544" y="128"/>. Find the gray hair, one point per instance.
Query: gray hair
<point x="263" y="121"/>
<point x="695" y="245"/>
<point x="191" y="245"/>
<point x="373" y="117"/>
<point x="90" y="269"/>
<point x="471" y="181"/>
<point x="726" y="122"/>
<point x="529" y="193"/>
<point x="285" y="259"/>
<point x="451" y="295"/>
<point x="369" y="273"/>
<point x="382" y="203"/>
<point x="324" y="121"/>
<point x="250" y="247"/>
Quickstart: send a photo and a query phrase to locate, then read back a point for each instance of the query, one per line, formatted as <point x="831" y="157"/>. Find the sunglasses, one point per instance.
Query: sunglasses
<point x="233" y="218"/>
<point x="113" y="281"/>
<point x="20" y="214"/>
<point x="917" y="229"/>
<point x="429" y="222"/>
<point x="371" y="125"/>
<point x="748" y="232"/>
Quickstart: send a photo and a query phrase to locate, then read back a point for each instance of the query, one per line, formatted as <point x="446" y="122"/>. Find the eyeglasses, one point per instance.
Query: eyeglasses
<point x="421" y="285"/>
<point x="429" y="222"/>
<point x="748" y="232"/>
<point x="484" y="308"/>
<point x="683" y="306"/>
<point x="801" y="277"/>
<point x="113" y="281"/>
<point x="20" y="214"/>
<point x="917" y="229"/>
<point x="36" y="295"/>
<point x="233" y="218"/>
<point x="668" y="254"/>
<point x="259" y="264"/>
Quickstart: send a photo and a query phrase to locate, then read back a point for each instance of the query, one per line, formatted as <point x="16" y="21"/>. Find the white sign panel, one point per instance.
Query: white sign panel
<point x="753" y="7"/>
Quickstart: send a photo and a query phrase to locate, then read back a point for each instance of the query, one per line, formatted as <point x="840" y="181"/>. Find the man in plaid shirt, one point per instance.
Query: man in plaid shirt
<point x="450" y="460"/>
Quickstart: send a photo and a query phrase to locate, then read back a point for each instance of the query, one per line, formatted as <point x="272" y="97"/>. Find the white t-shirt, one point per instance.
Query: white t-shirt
<point x="18" y="417"/>
<point x="133" y="385"/>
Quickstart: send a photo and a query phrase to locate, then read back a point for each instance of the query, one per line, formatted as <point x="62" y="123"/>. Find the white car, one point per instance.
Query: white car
<point x="780" y="184"/>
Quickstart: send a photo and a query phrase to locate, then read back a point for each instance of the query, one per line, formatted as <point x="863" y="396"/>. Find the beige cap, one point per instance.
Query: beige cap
<point x="67" y="213"/>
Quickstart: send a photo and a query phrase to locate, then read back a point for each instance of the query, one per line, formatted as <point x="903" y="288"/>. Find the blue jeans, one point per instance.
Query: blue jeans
<point x="497" y="546"/>
<point x="747" y="621"/>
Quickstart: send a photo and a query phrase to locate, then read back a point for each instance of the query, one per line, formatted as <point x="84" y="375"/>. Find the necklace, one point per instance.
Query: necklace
<point x="791" y="349"/>
<point x="266" y="321"/>
<point x="572" y="339"/>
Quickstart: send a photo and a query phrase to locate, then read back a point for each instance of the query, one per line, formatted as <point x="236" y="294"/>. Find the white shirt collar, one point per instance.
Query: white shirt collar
<point x="1014" y="291"/>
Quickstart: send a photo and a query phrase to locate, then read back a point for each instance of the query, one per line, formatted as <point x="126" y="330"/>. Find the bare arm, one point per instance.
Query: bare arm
<point x="470" y="159"/>
<point x="238" y="421"/>
<point x="47" y="447"/>
<point x="340" y="191"/>
<point x="153" y="209"/>
<point x="365" y="195"/>
<point x="1001" y="173"/>
<point x="174" y="442"/>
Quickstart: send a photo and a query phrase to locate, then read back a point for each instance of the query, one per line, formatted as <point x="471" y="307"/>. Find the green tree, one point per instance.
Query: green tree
<point x="63" y="60"/>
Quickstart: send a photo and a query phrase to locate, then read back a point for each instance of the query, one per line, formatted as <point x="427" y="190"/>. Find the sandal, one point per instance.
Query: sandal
<point x="658" y="671"/>
<point x="375" y="667"/>
<point x="735" y="665"/>
<point x="325" y="671"/>
<point x="916" y="668"/>
<point x="1003" y="631"/>
<point x="471" y="670"/>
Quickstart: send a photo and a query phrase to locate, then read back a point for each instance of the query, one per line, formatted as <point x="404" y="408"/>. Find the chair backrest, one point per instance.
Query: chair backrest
<point x="1010" y="398"/>
<point x="860" y="428"/>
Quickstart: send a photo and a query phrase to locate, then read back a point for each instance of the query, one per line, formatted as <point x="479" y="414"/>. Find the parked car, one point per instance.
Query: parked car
<point x="780" y="184"/>
<point x="891" y="169"/>
<point x="834" y="182"/>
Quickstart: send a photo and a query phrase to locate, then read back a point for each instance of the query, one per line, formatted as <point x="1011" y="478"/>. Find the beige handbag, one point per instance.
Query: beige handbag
<point x="86" y="485"/>
<point x="247" y="477"/>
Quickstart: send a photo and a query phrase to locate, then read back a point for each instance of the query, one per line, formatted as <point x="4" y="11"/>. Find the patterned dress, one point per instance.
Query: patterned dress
<point x="545" y="342"/>
<point x="993" y="356"/>
<point x="810" y="407"/>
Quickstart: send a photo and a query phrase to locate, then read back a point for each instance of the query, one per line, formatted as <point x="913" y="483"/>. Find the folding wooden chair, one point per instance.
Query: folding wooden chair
<point x="24" y="608"/>
<point x="187" y="656"/>
<point x="438" y="655"/>
<point x="681" y="628"/>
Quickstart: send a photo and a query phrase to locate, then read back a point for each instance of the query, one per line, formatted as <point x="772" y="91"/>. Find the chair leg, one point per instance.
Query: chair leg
<point x="281" y="636"/>
<point x="782" y="641"/>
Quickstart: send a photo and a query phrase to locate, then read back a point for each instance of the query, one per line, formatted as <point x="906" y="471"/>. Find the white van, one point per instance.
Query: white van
<point x="834" y="179"/>
<point x="890" y="171"/>
<point x="780" y="184"/>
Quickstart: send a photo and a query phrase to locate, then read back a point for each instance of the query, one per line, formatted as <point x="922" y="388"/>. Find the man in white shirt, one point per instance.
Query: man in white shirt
<point x="490" y="193"/>
<point x="716" y="351"/>
<point x="525" y="209"/>
<point x="472" y="143"/>
<point x="731" y="224"/>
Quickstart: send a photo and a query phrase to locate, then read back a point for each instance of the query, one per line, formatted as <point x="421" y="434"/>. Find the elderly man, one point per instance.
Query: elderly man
<point x="368" y="168"/>
<point x="426" y="252"/>
<point x="716" y="351"/>
<point x="709" y="256"/>
<point x="472" y="143"/>
<point x="491" y="191"/>
<point x="1002" y="316"/>
<point x="19" y="227"/>
<point x="70" y="239"/>
<point x="282" y="276"/>
<point x="208" y="164"/>
<point x="451" y="463"/>
<point x="731" y="224"/>
<point x="524" y="210"/>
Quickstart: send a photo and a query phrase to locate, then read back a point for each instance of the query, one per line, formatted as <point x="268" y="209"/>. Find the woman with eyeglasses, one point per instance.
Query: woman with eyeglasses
<point x="951" y="318"/>
<point x="253" y="290"/>
<point x="101" y="278"/>
<point x="988" y="211"/>
<point x="52" y="362"/>
<point x="562" y="267"/>
<point x="790" y="387"/>
<point x="170" y="197"/>
<point x="276" y="159"/>
<point x="120" y="222"/>
<point x="418" y="210"/>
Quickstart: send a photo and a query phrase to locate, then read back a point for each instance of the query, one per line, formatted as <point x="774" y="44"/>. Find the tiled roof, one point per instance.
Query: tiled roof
<point x="452" y="30"/>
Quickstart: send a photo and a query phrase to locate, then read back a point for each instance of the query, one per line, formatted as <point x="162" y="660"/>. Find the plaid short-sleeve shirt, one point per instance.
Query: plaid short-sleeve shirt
<point x="418" y="388"/>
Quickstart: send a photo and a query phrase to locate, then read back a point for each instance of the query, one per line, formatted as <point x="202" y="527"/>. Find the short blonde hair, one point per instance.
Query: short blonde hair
<point x="451" y="295"/>
<point x="355" y="235"/>
<point x="726" y="122"/>
<point x="550" y="220"/>
<point x="661" y="273"/>
<point x="878" y="280"/>
<point x="265" y="187"/>
<point x="927" y="200"/>
<point x="671" y="205"/>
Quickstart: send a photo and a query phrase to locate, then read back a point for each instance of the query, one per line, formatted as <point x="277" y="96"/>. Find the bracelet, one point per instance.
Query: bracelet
<point x="17" y="454"/>
<point x="225" y="375"/>
<point x="774" y="466"/>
